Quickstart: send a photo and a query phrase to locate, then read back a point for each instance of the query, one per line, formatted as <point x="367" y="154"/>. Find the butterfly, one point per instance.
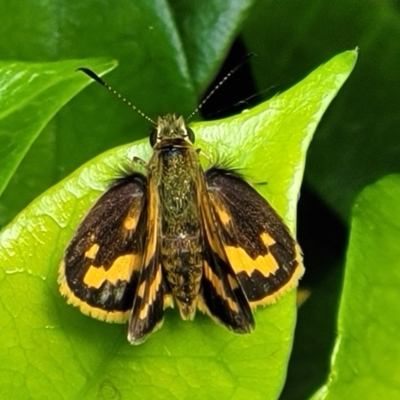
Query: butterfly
<point x="178" y="235"/>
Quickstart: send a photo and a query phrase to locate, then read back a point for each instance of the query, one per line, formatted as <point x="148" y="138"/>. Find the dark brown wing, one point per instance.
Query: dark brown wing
<point x="259" y="247"/>
<point x="100" y="269"/>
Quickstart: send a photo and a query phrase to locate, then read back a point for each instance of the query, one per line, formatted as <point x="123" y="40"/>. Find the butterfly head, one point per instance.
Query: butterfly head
<point x="171" y="130"/>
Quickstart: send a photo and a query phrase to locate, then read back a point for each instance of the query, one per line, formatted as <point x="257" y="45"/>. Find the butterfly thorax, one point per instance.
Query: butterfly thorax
<point x="174" y="170"/>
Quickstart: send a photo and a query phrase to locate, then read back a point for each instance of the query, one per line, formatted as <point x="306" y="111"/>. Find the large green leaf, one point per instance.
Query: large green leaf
<point x="167" y="51"/>
<point x="30" y="95"/>
<point x="366" y="359"/>
<point x="51" y="350"/>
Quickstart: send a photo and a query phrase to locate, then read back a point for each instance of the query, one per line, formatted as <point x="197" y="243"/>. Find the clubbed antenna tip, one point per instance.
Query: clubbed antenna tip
<point x="92" y="75"/>
<point x="96" y="78"/>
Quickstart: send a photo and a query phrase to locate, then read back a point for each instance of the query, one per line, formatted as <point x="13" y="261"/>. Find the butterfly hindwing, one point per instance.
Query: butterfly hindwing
<point x="259" y="247"/>
<point x="101" y="265"/>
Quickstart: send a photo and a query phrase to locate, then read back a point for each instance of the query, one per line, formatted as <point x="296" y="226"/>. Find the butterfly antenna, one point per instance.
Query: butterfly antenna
<point x="96" y="78"/>
<point x="219" y="84"/>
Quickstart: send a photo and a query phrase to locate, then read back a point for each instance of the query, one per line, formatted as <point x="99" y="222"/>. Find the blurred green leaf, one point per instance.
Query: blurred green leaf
<point x="366" y="359"/>
<point x="358" y="139"/>
<point x="30" y="95"/>
<point x="46" y="343"/>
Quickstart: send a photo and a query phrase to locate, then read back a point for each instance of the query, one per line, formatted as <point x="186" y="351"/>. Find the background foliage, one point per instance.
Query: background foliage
<point x="356" y="143"/>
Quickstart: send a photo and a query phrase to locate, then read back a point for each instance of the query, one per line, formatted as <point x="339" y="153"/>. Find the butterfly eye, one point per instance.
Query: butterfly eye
<point x="153" y="137"/>
<point x="190" y="135"/>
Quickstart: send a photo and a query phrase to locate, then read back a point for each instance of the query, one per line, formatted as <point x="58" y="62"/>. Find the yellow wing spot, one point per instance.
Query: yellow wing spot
<point x="92" y="252"/>
<point x="141" y="289"/>
<point x="267" y="239"/>
<point x="241" y="261"/>
<point x="224" y="216"/>
<point x="222" y="212"/>
<point x="218" y="287"/>
<point x="154" y="288"/>
<point x="121" y="269"/>
<point x="130" y="222"/>
<point x="233" y="282"/>
<point x="168" y="301"/>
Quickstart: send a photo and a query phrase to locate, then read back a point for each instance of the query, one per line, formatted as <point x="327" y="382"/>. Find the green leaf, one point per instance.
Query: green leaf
<point x="46" y="343"/>
<point x="30" y="95"/>
<point x="366" y="359"/>
<point x="167" y="52"/>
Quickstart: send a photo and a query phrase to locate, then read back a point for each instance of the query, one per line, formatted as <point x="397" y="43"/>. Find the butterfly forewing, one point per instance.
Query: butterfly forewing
<point x="101" y="265"/>
<point x="260" y="249"/>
